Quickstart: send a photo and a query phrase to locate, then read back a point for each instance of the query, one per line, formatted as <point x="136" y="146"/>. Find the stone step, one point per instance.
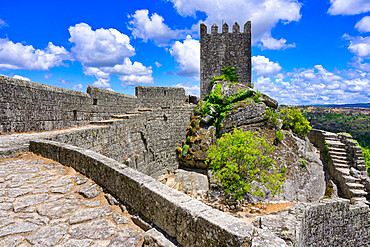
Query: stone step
<point x="343" y="171"/>
<point x="337" y="149"/>
<point x="355" y="185"/>
<point x="335" y="157"/>
<point x="335" y="144"/>
<point x="357" y="193"/>
<point x="341" y="165"/>
<point x="359" y="200"/>
<point x="337" y="153"/>
<point x="104" y="122"/>
<point x="125" y="116"/>
<point x="341" y="161"/>
<point x="361" y="167"/>
<point x="350" y="179"/>
<point x="145" y="109"/>
<point x="132" y="112"/>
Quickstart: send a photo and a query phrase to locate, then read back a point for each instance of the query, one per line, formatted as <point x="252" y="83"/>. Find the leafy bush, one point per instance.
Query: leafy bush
<point x="230" y="73"/>
<point x="366" y="154"/>
<point x="240" y="158"/>
<point x="272" y="117"/>
<point x="279" y="136"/>
<point x="294" y="120"/>
<point x="303" y="163"/>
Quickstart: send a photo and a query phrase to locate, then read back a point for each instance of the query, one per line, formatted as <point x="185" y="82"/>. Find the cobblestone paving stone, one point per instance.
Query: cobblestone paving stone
<point x="43" y="203"/>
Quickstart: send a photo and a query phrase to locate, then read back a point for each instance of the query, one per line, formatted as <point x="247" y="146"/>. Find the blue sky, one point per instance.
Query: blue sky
<point x="303" y="52"/>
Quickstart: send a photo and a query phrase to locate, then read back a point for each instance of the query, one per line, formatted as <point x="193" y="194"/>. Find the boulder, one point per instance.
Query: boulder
<point x="191" y="182"/>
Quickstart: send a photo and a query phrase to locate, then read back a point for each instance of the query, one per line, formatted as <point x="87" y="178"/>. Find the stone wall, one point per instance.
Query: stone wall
<point x="335" y="224"/>
<point x="145" y="142"/>
<point x="28" y="106"/>
<point x="219" y="49"/>
<point x="189" y="221"/>
<point x="330" y="222"/>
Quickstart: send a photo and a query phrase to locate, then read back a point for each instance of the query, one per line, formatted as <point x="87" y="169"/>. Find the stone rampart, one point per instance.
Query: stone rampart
<point x="189" y="221"/>
<point x="27" y="106"/>
<point x="146" y="141"/>
<point x="335" y="224"/>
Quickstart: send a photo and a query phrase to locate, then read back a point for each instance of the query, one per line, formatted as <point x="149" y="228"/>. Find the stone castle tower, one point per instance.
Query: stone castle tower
<point x="221" y="49"/>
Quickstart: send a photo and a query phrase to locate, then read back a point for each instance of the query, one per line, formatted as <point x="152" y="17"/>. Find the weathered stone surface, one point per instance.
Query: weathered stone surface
<point x="16" y="228"/>
<point x="154" y="238"/>
<point x="120" y="219"/>
<point x="98" y="229"/>
<point x="250" y="114"/>
<point x="17" y="192"/>
<point x="58" y="209"/>
<point x="11" y="241"/>
<point x="90" y="190"/>
<point x="78" y="243"/>
<point x="4" y="221"/>
<point x="89" y="214"/>
<point x="111" y="200"/>
<point x="63" y="190"/>
<point x="21" y="203"/>
<point x="140" y="222"/>
<point x="270" y="102"/>
<point x="191" y="182"/>
<point x="80" y="179"/>
<point x="127" y="237"/>
<point x="5" y="206"/>
<point x="48" y="236"/>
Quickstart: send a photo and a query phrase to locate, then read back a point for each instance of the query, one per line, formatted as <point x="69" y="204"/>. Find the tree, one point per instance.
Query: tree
<point x="239" y="158"/>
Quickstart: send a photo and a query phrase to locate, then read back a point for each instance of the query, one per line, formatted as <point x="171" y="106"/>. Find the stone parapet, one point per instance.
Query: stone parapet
<point x="190" y="222"/>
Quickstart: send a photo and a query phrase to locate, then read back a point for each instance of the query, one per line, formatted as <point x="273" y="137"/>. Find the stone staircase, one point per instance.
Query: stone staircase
<point x="341" y="168"/>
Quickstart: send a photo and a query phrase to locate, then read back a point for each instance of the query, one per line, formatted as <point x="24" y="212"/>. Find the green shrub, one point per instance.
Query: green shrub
<point x="279" y="136"/>
<point x="366" y="154"/>
<point x="230" y="73"/>
<point x="239" y="158"/>
<point x="272" y="117"/>
<point x="303" y="163"/>
<point x="257" y="97"/>
<point x="185" y="150"/>
<point x="294" y="120"/>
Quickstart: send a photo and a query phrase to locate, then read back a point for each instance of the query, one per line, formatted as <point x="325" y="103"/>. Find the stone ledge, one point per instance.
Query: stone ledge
<point x="189" y="221"/>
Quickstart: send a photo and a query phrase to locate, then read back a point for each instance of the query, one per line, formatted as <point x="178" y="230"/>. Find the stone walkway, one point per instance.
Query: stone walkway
<point x="43" y="203"/>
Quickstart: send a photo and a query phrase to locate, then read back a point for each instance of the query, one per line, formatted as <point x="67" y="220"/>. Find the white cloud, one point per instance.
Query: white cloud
<point x="317" y="86"/>
<point x="3" y="23"/>
<point x="21" y="78"/>
<point x="19" y="56"/>
<point x="187" y="54"/>
<point x="106" y="52"/>
<point x="129" y="74"/>
<point x="158" y="64"/>
<point x="348" y="7"/>
<point x="104" y="83"/>
<point x="190" y="88"/>
<point x="103" y="47"/>
<point x="264" y="14"/>
<point x="363" y="25"/>
<point x="47" y="76"/>
<point x="151" y="28"/>
<point x="359" y="64"/>
<point x="77" y="87"/>
<point x="263" y="66"/>
<point x="360" y="46"/>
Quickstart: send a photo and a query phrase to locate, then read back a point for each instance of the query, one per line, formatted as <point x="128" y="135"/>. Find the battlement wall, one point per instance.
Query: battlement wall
<point x="28" y="106"/>
<point x="221" y="49"/>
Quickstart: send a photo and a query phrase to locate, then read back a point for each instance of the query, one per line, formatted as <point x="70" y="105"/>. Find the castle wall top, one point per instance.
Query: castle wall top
<point x="225" y="28"/>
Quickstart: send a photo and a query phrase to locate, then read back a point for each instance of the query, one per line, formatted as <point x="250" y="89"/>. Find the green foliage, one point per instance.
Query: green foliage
<point x="366" y="154"/>
<point x="272" y="117"/>
<point x="279" y="136"/>
<point x="326" y="152"/>
<point x="219" y="78"/>
<point x="240" y="158"/>
<point x="303" y="163"/>
<point x="294" y="120"/>
<point x="257" y="97"/>
<point x="230" y="73"/>
<point x="185" y="150"/>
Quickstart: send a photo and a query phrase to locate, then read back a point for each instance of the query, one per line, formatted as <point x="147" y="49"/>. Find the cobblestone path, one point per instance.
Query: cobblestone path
<point x="43" y="203"/>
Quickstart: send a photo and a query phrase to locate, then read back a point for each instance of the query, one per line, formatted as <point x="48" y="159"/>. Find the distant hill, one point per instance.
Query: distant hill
<point x="362" y="105"/>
